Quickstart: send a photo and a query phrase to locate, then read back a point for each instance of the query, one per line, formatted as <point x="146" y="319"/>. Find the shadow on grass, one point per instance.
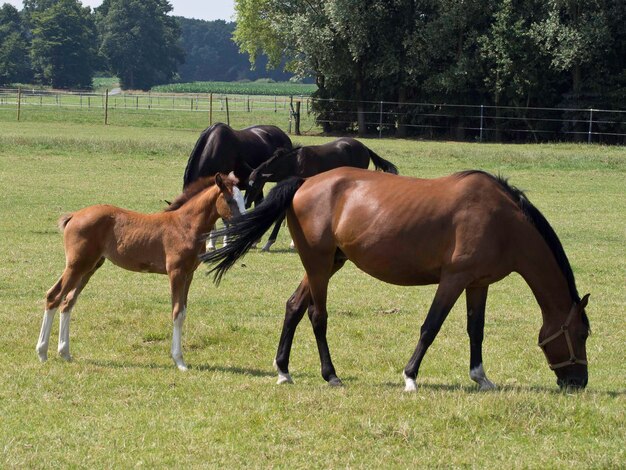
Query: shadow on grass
<point x="473" y="389"/>
<point x="200" y="368"/>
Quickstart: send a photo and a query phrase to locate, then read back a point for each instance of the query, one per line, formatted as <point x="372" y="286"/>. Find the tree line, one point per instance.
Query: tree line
<point x="62" y="44"/>
<point x="523" y="53"/>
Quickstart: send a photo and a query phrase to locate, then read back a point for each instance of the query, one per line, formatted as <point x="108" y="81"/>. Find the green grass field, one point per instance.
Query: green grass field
<point x="259" y="87"/>
<point x="121" y="403"/>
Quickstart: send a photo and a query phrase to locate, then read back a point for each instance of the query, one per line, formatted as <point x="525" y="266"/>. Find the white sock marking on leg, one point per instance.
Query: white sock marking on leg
<point x="44" y="334"/>
<point x="177" y="347"/>
<point x="283" y="377"/>
<point x="477" y="374"/>
<point x="410" y="385"/>
<point x="64" y="335"/>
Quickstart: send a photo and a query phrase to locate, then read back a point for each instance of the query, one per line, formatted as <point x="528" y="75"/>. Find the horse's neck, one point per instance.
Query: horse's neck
<point x="284" y="166"/>
<point x="200" y="212"/>
<point x="545" y="278"/>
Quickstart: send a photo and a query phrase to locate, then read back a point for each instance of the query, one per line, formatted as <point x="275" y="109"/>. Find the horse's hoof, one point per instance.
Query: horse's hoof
<point x="487" y="385"/>
<point x="65" y="356"/>
<point x="410" y="385"/>
<point x="43" y="356"/>
<point x="182" y="368"/>
<point x="284" y="379"/>
<point x="335" y="382"/>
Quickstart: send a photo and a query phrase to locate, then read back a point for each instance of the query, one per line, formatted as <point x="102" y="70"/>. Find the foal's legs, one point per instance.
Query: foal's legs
<point x="64" y="293"/>
<point x="476" y="300"/>
<point x="179" y="285"/>
<point x="449" y="290"/>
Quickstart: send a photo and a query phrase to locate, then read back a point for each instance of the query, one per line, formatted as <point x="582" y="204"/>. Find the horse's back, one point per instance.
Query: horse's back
<point x="401" y="230"/>
<point x="222" y="149"/>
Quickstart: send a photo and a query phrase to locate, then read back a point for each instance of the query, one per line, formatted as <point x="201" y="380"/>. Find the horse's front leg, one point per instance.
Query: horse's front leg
<point x="449" y="290"/>
<point x="476" y="300"/>
<point x="179" y="287"/>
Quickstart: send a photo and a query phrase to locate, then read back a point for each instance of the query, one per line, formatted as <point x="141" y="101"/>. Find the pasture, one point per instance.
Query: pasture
<point x="123" y="403"/>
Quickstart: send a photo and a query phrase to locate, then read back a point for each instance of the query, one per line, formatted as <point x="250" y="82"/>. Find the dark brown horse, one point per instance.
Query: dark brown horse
<point x="167" y="242"/>
<point x="222" y="149"/>
<point x="463" y="232"/>
<point x="312" y="160"/>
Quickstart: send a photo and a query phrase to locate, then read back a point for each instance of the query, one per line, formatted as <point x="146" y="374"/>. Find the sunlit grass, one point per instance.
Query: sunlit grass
<point x="122" y="403"/>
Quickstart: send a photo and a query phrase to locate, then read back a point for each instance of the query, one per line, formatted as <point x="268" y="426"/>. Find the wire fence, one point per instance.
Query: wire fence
<point x="308" y="115"/>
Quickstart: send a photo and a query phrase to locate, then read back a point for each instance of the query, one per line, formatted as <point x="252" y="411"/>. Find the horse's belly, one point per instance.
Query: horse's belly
<point x="401" y="267"/>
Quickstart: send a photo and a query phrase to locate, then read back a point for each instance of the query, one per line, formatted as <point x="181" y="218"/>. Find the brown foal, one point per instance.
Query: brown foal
<point x="168" y="242"/>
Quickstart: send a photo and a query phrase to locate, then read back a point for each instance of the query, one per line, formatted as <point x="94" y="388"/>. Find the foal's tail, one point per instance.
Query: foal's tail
<point x="63" y="221"/>
<point x="382" y="164"/>
<point x="245" y="230"/>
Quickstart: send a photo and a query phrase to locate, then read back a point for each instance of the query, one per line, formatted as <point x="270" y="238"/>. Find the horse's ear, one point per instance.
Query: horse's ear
<point x="584" y="301"/>
<point x="219" y="181"/>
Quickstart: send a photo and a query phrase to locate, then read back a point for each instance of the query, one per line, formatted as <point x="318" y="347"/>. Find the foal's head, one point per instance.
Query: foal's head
<point x="230" y="201"/>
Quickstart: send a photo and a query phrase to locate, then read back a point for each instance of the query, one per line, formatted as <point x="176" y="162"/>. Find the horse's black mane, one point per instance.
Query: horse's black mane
<point x="197" y="150"/>
<point x="542" y="226"/>
<point x="190" y="191"/>
<point x="286" y="152"/>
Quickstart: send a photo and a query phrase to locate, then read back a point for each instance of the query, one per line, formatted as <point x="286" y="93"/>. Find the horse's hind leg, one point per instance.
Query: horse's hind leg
<point x="66" y="309"/>
<point x="63" y="294"/>
<point x="179" y="285"/>
<point x="294" y="311"/>
<point x="476" y="300"/>
<point x="449" y="290"/>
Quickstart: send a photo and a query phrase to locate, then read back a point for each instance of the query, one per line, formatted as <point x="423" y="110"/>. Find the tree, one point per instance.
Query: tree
<point x="63" y="44"/>
<point x="211" y="54"/>
<point x="140" y="41"/>
<point x="14" y="46"/>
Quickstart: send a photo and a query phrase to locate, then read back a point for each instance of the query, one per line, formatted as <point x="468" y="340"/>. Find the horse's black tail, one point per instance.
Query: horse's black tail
<point x="245" y="230"/>
<point x="382" y="164"/>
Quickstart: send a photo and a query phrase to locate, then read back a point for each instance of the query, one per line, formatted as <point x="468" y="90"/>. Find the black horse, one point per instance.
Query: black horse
<point x="309" y="161"/>
<point x="222" y="149"/>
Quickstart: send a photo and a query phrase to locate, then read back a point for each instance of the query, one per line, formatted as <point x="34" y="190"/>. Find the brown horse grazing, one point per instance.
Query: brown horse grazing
<point x="463" y="232"/>
<point x="222" y="149"/>
<point x="167" y="242"/>
<point x="312" y="160"/>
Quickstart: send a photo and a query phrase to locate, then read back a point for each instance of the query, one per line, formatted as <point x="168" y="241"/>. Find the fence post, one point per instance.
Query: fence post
<point x="380" y="122"/>
<point x="19" y="102"/>
<point x="297" y="116"/>
<point x="106" y="107"/>
<point x="227" y="112"/>
<point x="480" y="139"/>
<point x="590" y="125"/>
<point x="210" y="109"/>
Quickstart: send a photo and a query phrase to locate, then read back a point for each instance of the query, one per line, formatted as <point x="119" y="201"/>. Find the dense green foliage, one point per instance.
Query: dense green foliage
<point x="14" y="46"/>
<point x="211" y="54"/>
<point x="139" y="41"/>
<point x="63" y="44"/>
<point x="496" y="52"/>
<point x="122" y="404"/>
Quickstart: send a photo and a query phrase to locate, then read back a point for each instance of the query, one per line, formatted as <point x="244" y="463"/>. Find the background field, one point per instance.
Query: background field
<point x="121" y="403"/>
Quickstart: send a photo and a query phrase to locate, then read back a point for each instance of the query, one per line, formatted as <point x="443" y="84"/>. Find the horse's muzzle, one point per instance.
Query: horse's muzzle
<point x="572" y="383"/>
